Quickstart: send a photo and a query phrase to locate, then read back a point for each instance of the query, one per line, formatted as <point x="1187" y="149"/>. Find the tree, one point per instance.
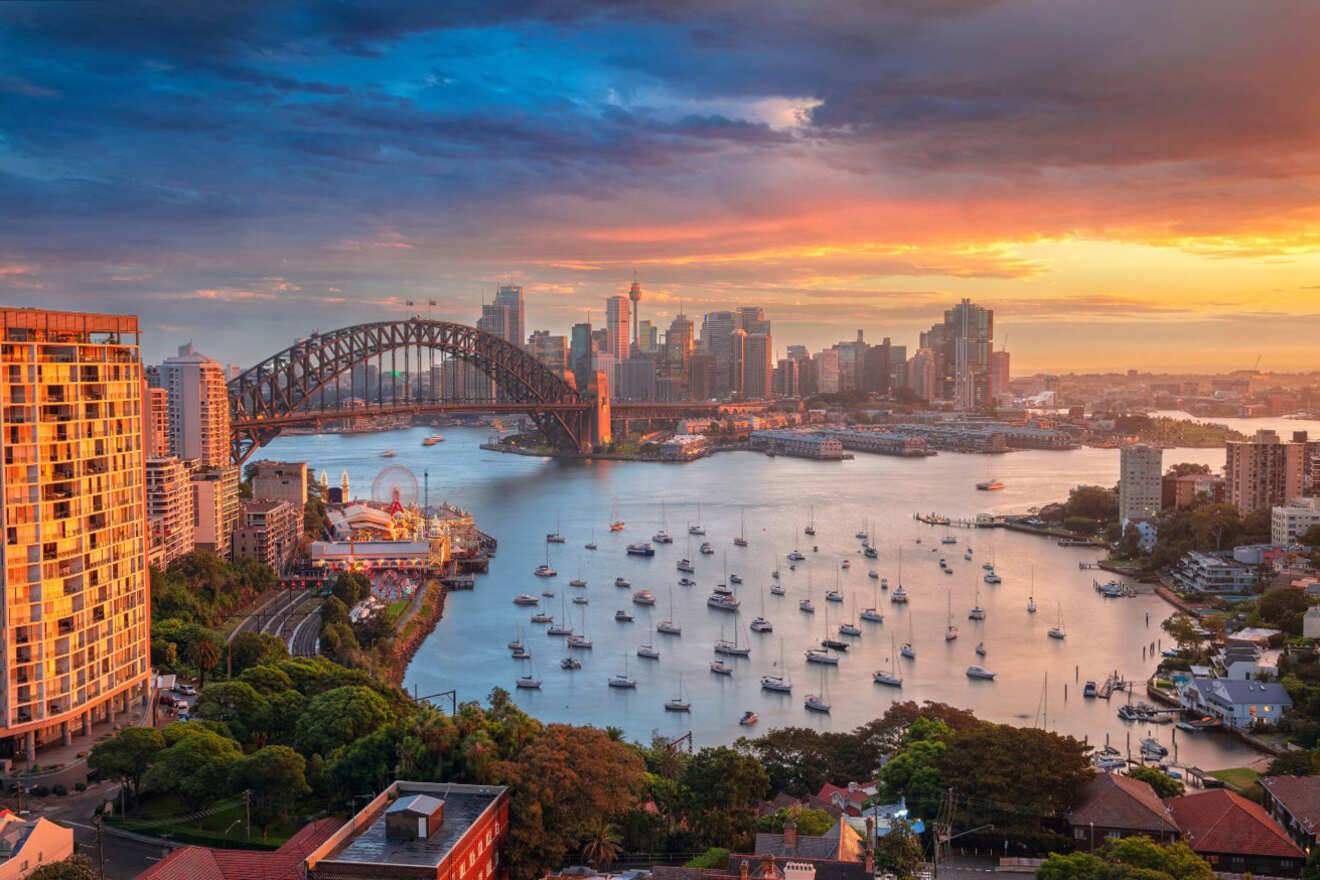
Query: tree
<point x="809" y="823"/>
<point x="1184" y="631"/>
<point x="205" y="655"/>
<point x="250" y="649"/>
<point x="1129" y="858"/>
<point x="351" y="588"/>
<point x="237" y="704"/>
<point x="127" y="756"/>
<point x="1298" y="762"/>
<point x="914" y="774"/>
<point x="601" y="844"/>
<point x="1092" y="502"/>
<point x="1311" y="537"/>
<point x="1165" y="785"/>
<point x="1213" y="525"/>
<point x="899" y="851"/>
<point x="196" y="767"/>
<point x="1129" y="546"/>
<point x="75" y="867"/>
<point x="565" y="783"/>
<point x="721" y="788"/>
<point x="339" y="716"/>
<point x="277" y="778"/>
<point x="793" y="759"/>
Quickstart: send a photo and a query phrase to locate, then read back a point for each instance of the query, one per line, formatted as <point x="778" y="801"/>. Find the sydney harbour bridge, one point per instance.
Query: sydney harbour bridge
<point x="302" y="385"/>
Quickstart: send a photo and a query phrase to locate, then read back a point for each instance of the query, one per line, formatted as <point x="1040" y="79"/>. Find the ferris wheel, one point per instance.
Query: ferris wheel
<point x="395" y="486"/>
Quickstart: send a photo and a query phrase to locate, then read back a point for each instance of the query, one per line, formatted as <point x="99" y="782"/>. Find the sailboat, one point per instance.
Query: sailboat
<point x="555" y="537"/>
<point x="819" y="702"/>
<point x="591" y="545"/>
<point x="741" y="539"/>
<point x="873" y="614"/>
<point x="805" y="605"/>
<point x="776" y="588"/>
<point x="778" y="682"/>
<point x="950" y="631"/>
<point x="977" y="612"/>
<point x="622" y="679"/>
<point x="685" y="564"/>
<point x="908" y="650"/>
<point x="648" y="652"/>
<point x="890" y="676"/>
<point x="1031" y="599"/>
<point x="544" y="570"/>
<point x="678" y="704"/>
<point x="696" y="528"/>
<point x="834" y="595"/>
<point x="663" y="536"/>
<point x="528" y="680"/>
<point x="731" y="648"/>
<point x="580" y="641"/>
<point x="668" y="626"/>
<point x="561" y="629"/>
<point x="796" y="554"/>
<point x="811" y="523"/>
<point x="849" y="628"/>
<point x="616" y="524"/>
<point x="1057" y="631"/>
<point x="760" y="624"/>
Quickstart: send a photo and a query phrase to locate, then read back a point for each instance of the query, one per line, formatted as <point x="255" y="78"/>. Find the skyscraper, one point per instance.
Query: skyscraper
<point x="1139" y="482"/>
<point x="510" y="296"/>
<point x="579" y="353"/>
<point x="497" y="319"/>
<point x="76" y="639"/>
<point x="1263" y="472"/>
<point x="968" y="338"/>
<point x="737" y="348"/>
<point x="758" y="366"/>
<point x="618" y="310"/>
<point x="999" y="375"/>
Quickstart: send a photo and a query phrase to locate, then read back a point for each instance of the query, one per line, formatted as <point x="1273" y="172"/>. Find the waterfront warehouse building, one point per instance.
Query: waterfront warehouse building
<point x="75" y="613"/>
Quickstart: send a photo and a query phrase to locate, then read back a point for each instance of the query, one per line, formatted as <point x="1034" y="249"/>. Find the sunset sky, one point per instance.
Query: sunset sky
<point x="1127" y="184"/>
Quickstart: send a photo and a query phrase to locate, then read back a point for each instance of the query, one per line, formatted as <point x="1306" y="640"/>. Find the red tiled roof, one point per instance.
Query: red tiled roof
<point x="1111" y="800"/>
<point x="1299" y="795"/>
<point x="827" y="792"/>
<point x="1220" y="821"/>
<point x="285" y="863"/>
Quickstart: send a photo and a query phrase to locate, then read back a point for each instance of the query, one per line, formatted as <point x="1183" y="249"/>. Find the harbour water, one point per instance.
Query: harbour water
<point x="520" y="499"/>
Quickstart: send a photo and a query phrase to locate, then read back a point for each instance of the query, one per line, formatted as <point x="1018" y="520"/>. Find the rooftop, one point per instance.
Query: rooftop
<point x="1299" y="795"/>
<point x="1220" y="821"/>
<point x="366" y="843"/>
<point x="203" y="863"/>
<point x="1111" y="800"/>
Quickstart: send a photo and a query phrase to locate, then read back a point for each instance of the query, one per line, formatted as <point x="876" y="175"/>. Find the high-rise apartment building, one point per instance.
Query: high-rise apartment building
<point x="1140" y="472"/>
<point x="716" y="331"/>
<point x="198" y="406"/>
<point x="618" y="313"/>
<point x="1263" y="472"/>
<point x="737" y="352"/>
<point x="170" y="516"/>
<point x="999" y="373"/>
<point x="156" y="403"/>
<point x="279" y="481"/>
<point x="922" y="374"/>
<point x="827" y="371"/>
<point x="510" y="296"/>
<point x="75" y="611"/>
<point x="199" y="432"/>
<point x="758" y="366"/>
<point x="968" y="340"/>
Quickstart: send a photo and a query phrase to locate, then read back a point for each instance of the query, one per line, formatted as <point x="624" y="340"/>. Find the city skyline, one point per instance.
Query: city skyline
<point x="249" y="175"/>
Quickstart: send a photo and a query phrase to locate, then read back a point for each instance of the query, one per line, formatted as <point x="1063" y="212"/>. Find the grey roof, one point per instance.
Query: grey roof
<point x="826" y="846"/>
<point x="1243" y="692"/>
<point x="416" y="803"/>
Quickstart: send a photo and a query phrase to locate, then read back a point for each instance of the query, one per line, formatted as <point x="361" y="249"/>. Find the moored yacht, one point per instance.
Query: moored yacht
<point x="814" y="655"/>
<point x="641" y="549"/>
<point x="981" y="672"/>
<point x="722" y="599"/>
<point x="570" y="663"/>
<point x="526" y="599"/>
<point x="706" y="549"/>
<point x="686" y="566"/>
<point x="899" y="596"/>
<point x="719" y="667"/>
<point x="648" y="652"/>
<point x="622" y="583"/>
<point x="623" y="616"/>
<point x="662" y="537"/>
<point x="643" y="597"/>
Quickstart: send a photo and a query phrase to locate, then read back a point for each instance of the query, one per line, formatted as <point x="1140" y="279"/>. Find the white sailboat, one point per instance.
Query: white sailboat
<point x="555" y="537"/>
<point x="1057" y="631"/>
<point x="779" y="682"/>
<point x="819" y="702"/>
<point x="805" y="605"/>
<point x="580" y="640"/>
<point x="731" y="648"/>
<point x="528" y="680"/>
<point x="741" y="539"/>
<point x="669" y="626"/>
<point x="950" y="631"/>
<point x="760" y="624"/>
<point x="622" y="679"/>
<point x="1031" y="599"/>
<point x="890" y="676"/>
<point x="678" y="704"/>
<point x="977" y="612"/>
<point x="908" y="650"/>
<point x="811" y="522"/>
<point x="848" y="628"/>
<point x="663" y="536"/>
<point x="697" y="528"/>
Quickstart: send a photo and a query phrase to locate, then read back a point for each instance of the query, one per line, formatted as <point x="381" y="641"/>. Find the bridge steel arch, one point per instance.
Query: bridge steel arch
<point x="287" y="382"/>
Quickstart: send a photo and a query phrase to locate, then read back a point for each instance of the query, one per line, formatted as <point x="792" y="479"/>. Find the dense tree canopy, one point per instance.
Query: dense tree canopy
<point x="1131" y="858"/>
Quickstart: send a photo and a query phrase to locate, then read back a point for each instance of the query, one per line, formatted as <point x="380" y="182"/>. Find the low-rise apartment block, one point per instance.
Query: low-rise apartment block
<point x="269" y="532"/>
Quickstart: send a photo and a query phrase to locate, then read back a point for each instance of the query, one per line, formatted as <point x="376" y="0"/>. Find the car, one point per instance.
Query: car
<point x="184" y="716"/>
<point x="186" y="689"/>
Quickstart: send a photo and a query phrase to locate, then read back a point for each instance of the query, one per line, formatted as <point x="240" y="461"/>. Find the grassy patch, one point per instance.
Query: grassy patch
<point x="222" y="829"/>
<point x="395" y="610"/>
<point x="1243" y="780"/>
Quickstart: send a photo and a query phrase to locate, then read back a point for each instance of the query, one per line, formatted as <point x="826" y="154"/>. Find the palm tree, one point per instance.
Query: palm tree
<point x="601" y="844"/>
<point x="205" y="655"/>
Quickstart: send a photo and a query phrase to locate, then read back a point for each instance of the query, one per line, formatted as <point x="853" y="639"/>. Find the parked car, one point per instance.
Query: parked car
<point x="186" y="689"/>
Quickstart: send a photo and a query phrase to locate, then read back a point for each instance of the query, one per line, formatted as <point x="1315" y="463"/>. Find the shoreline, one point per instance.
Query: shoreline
<point x="426" y="616"/>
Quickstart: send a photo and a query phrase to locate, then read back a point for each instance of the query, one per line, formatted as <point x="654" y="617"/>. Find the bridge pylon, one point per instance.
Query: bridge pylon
<point x="598" y="431"/>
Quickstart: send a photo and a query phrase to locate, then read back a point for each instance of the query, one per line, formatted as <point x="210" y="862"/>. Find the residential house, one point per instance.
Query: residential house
<point x="204" y="863"/>
<point x="1233" y="834"/>
<point x="841" y="843"/>
<point x="1113" y="806"/>
<point x="28" y="844"/>
<point x="848" y="799"/>
<point x="1239" y="704"/>
<point x="1294" y="802"/>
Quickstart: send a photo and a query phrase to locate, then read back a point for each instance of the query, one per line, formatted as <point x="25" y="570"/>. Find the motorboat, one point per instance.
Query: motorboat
<point x="989" y="486"/>
<point x="796" y="556"/>
<point x="434" y="439"/>
<point x="719" y="667"/>
<point x="643" y="597"/>
<point x="570" y="663"/>
<point x="833" y="644"/>
<point x="544" y="571"/>
<point x="622" y="583"/>
<point x="522" y="654"/>
<point x="648" y="652"/>
<point x="834" y="596"/>
<point x="761" y="625"/>
<point x="1088" y="690"/>
<point x="777" y="590"/>
<point x="948" y="539"/>
<point x="846" y="564"/>
<point x="577" y="582"/>
<point x="590" y="545"/>
<point x="884" y="583"/>
<point x="806" y="607"/>
<point x="980" y="649"/>
<point x="774" y="575"/>
<point x="706" y="549"/>
<point x="662" y="537"/>
<point x="988" y="566"/>
<point x="696" y="529"/>
<point x="388" y="453"/>
<point x="621" y="680"/>
<point x="616" y="524"/>
<point x="686" y="582"/>
<point x="580" y="642"/>
<point x="1152" y="746"/>
<point x="623" y="616"/>
<point x="669" y="628"/>
<point x="686" y="566"/>
<point x="967" y="557"/>
<point x="735" y="579"/>
<point x="980" y="672"/>
<point x="749" y="718"/>
<point x="993" y="578"/>
<point x="642" y="549"/>
<point x="581" y="600"/>
<point x="861" y="536"/>
<point x="529" y="683"/>
<point x="817" y="656"/>
<point x="526" y="599"/>
<point x="873" y="575"/>
<point x="541" y="617"/>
